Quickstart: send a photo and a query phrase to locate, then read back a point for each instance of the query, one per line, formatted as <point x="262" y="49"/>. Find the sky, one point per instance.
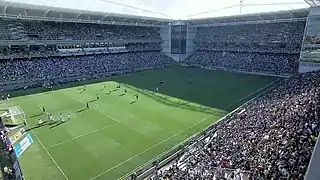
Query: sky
<point x="175" y="9"/>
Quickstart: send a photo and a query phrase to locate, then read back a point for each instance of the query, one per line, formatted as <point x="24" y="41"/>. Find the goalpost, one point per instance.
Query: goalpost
<point x="12" y="115"/>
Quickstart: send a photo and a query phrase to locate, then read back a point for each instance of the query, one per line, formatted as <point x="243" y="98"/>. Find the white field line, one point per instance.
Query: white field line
<point x="110" y="169"/>
<point x="254" y="92"/>
<point x="80" y="136"/>
<point x="47" y="152"/>
<point x="114" y="119"/>
<point x="259" y="90"/>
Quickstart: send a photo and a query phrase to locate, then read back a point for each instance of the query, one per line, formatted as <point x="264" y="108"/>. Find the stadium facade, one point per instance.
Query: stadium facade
<point x="177" y="37"/>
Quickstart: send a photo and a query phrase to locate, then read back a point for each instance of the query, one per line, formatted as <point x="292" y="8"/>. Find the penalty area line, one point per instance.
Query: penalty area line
<point x="95" y="108"/>
<point x="154" y="146"/>
<point x="50" y="156"/>
<point x="82" y="135"/>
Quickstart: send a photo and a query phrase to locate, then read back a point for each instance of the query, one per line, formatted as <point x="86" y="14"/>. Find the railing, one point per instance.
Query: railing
<point x="70" y="41"/>
<point x="284" y="75"/>
<point x="249" y="22"/>
<point x="314" y="164"/>
<point x="39" y="18"/>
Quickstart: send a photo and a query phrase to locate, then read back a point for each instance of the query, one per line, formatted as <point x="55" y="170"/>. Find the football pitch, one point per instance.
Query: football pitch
<point x="119" y="133"/>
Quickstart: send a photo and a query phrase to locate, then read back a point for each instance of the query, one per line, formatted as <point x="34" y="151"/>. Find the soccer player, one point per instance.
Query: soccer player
<point x="40" y="122"/>
<point x="87" y="105"/>
<point x="2" y="97"/>
<point x="125" y="91"/>
<point x="69" y="117"/>
<point x="190" y="80"/>
<point x="137" y="96"/>
<point x="157" y="89"/>
<point x="97" y="96"/>
<point x="161" y="82"/>
<point x="8" y="96"/>
<point x="118" y="86"/>
<point x="84" y="88"/>
<point x="104" y="87"/>
<point x="43" y="110"/>
<point x="61" y="117"/>
<point x="51" y="117"/>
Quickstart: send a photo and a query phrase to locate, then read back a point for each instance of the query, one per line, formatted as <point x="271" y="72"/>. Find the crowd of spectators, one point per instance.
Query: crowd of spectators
<point x="51" y="68"/>
<point x="272" y="138"/>
<point x="46" y="30"/>
<point x="266" y="47"/>
<point x="282" y="32"/>
<point x="47" y="51"/>
<point x="6" y="151"/>
<point x="244" y="61"/>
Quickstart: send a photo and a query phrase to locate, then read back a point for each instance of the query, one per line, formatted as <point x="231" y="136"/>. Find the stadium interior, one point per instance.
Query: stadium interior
<point x="96" y="95"/>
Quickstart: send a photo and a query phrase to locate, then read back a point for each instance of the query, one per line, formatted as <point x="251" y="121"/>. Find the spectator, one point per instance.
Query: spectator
<point x="272" y="138"/>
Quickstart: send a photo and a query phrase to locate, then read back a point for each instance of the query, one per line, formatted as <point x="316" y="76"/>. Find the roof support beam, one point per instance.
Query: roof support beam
<point x="5" y="9"/>
<point x="291" y="15"/>
<point x="125" y="19"/>
<point x="77" y="16"/>
<point x="310" y="2"/>
<point x="46" y="12"/>
<point x="104" y="17"/>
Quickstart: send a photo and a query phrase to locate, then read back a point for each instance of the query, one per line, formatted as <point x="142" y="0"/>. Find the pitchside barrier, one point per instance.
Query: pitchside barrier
<point x="174" y="153"/>
<point x="283" y="75"/>
<point x="314" y="164"/>
<point x="14" y="119"/>
<point x="36" y="83"/>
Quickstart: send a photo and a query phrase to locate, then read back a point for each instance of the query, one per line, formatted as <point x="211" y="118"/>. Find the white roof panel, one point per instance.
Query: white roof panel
<point x="174" y="9"/>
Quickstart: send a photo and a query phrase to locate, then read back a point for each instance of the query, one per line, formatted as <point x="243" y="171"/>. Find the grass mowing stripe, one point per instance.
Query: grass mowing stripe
<point x="114" y="119"/>
<point x="47" y="152"/>
<point x="255" y="93"/>
<point x="80" y="136"/>
<point x="202" y="120"/>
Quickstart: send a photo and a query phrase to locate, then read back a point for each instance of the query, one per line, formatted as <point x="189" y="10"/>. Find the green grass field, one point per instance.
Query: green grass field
<point x="118" y="134"/>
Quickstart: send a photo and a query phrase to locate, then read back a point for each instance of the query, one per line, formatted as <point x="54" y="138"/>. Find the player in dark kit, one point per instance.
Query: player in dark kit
<point x="98" y="97"/>
<point x="43" y="110"/>
<point x="161" y="82"/>
<point x="87" y="105"/>
<point x="125" y="91"/>
<point x="137" y="96"/>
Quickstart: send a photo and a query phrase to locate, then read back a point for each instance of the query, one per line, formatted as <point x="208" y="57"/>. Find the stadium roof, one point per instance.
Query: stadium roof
<point x="40" y="12"/>
<point x="175" y="9"/>
<point x="297" y="15"/>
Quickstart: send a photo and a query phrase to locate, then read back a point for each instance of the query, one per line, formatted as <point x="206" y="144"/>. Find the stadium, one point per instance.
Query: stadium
<point x="137" y="90"/>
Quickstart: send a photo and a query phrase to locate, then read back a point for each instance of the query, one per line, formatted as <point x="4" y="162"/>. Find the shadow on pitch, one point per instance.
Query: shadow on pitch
<point x="208" y="88"/>
<point x="122" y="94"/>
<point x="132" y="102"/>
<point x="56" y="124"/>
<point x="81" y="110"/>
<point x="94" y="100"/>
<point x="39" y="126"/>
<point x="36" y="115"/>
<point x="176" y="103"/>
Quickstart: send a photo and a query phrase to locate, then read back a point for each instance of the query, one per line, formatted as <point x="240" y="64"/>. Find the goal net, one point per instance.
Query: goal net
<point x="12" y="115"/>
